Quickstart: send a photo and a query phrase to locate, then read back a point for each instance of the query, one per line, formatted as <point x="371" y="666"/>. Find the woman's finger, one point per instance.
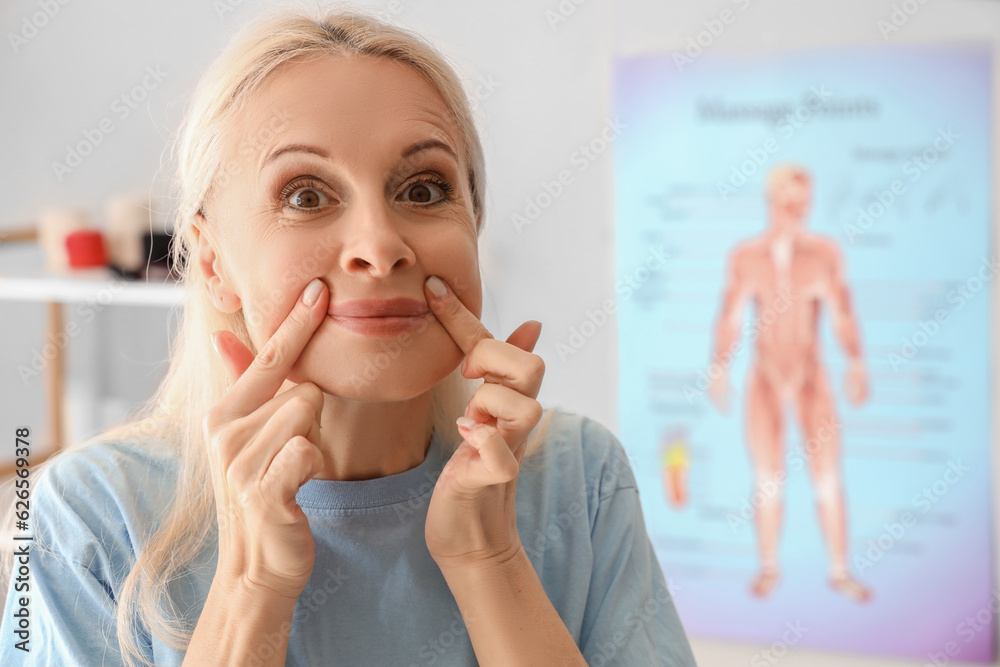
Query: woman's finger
<point x="512" y="414"/>
<point x="461" y="324"/>
<point x="244" y="430"/>
<point x="297" y="416"/>
<point x="496" y="463"/>
<point x="260" y="381"/>
<point x="308" y="391"/>
<point x="526" y="335"/>
<point x="502" y="363"/>
<point x="295" y="462"/>
<point x="244" y="441"/>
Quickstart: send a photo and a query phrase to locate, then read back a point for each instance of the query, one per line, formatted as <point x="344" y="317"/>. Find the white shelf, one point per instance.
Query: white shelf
<point x="22" y="278"/>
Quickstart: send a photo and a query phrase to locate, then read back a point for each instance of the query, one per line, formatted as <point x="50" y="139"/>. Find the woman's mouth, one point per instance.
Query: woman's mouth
<point x="380" y="317"/>
<point x="379" y="326"/>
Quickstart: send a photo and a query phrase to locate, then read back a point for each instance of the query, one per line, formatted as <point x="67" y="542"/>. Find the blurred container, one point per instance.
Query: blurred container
<point x="85" y="249"/>
<point x="129" y="221"/>
<point x="54" y="225"/>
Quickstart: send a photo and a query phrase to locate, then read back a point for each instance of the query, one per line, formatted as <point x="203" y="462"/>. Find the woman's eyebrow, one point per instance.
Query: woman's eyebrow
<point x="412" y="150"/>
<point x="427" y="145"/>
<point x="294" y="148"/>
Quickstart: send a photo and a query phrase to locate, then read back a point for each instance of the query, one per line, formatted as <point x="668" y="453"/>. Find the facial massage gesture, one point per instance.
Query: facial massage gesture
<point x="262" y="448"/>
<point x="472" y="518"/>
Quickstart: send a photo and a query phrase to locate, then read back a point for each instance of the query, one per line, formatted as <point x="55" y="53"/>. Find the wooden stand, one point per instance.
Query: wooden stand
<point x="54" y="380"/>
<point x="54" y="289"/>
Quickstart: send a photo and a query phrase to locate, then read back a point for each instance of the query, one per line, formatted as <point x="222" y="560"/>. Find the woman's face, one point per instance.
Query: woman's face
<point x="350" y="170"/>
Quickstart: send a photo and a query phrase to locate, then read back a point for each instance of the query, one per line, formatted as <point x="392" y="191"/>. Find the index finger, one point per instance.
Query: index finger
<point x="261" y="380"/>
<point x="464" y="327"/>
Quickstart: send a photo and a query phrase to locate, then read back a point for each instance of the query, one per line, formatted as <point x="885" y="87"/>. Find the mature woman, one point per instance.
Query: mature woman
<point x="299" y="490"/>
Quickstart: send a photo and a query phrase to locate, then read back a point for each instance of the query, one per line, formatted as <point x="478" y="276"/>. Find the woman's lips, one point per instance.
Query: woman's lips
<point x="380" y="317"/>
<point x="379" y="326"/>
<point x="399" y="307"/>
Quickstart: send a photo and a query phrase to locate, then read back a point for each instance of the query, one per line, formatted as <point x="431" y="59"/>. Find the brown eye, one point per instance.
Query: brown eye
<point x="305" y="198"/>
<point x="425" y="192"/>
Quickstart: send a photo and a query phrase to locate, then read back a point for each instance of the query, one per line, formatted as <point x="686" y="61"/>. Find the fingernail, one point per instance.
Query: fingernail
<point x="312" y="292"/>
<point x="465" y="423"/>
<point x="437" y="287"/>
<point x="215" y="342"/>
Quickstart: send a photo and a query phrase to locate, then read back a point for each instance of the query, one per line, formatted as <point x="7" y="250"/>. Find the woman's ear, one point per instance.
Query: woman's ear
<point x="224" y="298"/>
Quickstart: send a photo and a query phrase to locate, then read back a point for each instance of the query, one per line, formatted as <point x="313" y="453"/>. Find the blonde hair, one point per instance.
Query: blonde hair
<point x="195" y="379"/>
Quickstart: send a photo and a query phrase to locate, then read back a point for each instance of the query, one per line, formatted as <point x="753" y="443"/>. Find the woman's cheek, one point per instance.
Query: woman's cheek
<point x="469" y="290"/>
<point x="264" y="313"/>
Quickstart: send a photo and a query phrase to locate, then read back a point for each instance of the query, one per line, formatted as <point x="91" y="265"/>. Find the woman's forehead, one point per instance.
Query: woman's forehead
<point x="353" y="105"/>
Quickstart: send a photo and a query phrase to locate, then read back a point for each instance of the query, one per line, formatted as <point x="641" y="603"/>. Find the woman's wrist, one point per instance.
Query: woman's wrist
<point x="240" y="593"/>
<point x="242" y="623"/>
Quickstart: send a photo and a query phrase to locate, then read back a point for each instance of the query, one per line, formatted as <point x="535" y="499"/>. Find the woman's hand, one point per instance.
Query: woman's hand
<point x="472" y="518"/>
<point x="262" y="448"/>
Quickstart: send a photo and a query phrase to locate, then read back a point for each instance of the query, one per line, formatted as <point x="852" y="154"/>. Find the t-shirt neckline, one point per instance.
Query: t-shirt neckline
<point x="378" y="492"/>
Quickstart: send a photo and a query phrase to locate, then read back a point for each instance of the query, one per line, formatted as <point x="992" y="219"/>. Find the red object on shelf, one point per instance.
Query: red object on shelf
<point x="85" y="248"/>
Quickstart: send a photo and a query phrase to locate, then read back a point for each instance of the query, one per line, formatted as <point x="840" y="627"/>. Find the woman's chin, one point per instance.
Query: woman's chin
<point x="367" y="381"/>
<point x="377" y="368"/>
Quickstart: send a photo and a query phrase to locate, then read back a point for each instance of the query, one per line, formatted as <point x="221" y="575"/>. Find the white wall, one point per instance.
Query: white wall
<point x="545" y="91"/>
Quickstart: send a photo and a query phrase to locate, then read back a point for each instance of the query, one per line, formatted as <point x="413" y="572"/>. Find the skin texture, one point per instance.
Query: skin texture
<point x="365" y="238"/>
<point x="790" y="274"/>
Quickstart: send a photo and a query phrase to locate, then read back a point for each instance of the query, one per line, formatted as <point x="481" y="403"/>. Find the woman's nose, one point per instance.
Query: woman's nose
<point x="373" y="243"/>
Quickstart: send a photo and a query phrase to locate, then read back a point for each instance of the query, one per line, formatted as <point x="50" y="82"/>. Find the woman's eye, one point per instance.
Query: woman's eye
<point x="307" y="198"/>
<point x="425" y="192"/>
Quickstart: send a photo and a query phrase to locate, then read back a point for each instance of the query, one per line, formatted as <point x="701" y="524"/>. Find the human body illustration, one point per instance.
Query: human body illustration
<point x="789" y="274"/>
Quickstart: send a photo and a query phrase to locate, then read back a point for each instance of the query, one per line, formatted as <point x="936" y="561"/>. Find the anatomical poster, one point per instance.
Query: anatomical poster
<point x="805" y="381"/>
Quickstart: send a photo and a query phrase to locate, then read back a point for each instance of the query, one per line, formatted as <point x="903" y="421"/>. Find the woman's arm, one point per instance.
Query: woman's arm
<point x="240" y="626"/>
<point x="510" y="619"/>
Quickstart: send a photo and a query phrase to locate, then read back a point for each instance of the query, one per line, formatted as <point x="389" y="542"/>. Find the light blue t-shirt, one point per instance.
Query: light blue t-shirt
<point x="376" y="597"/>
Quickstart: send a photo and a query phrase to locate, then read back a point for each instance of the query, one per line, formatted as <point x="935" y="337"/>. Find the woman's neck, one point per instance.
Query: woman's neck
<point x="365" y="440"/>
